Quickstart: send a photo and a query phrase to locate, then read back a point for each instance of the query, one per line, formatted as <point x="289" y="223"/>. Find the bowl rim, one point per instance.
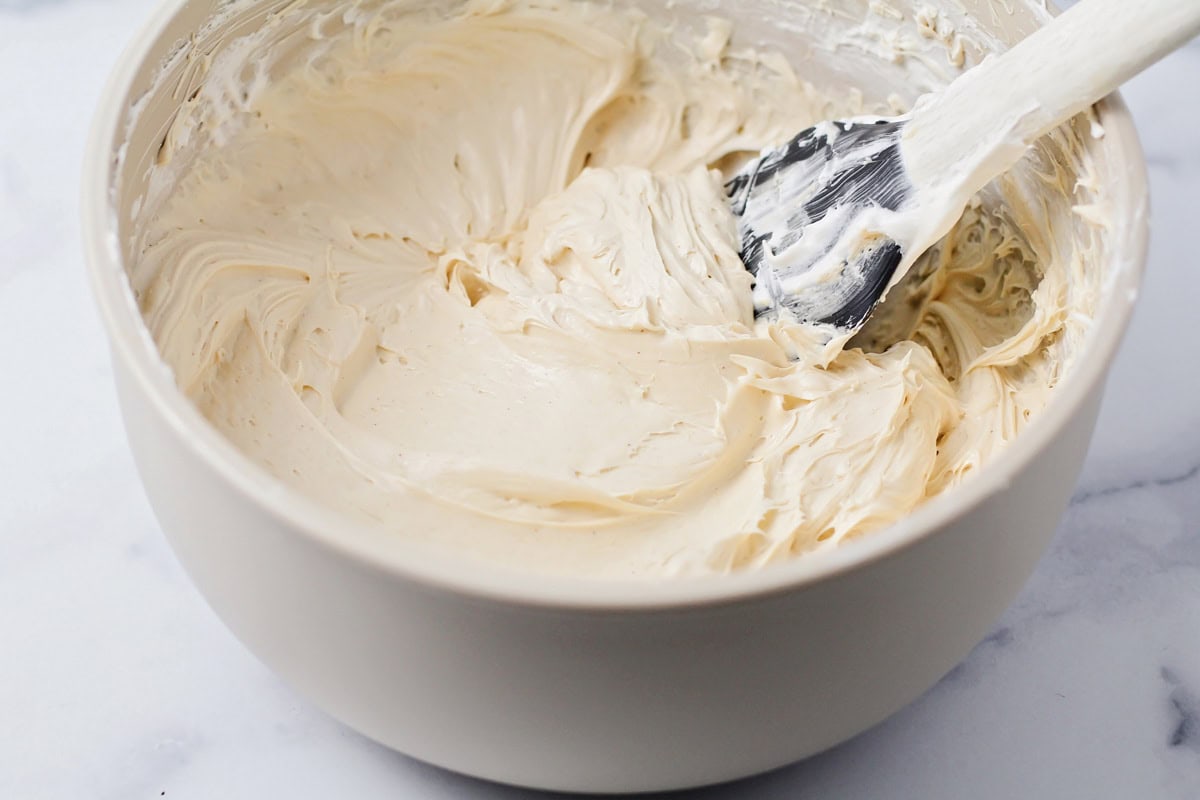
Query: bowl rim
<point x="406" y="559"/>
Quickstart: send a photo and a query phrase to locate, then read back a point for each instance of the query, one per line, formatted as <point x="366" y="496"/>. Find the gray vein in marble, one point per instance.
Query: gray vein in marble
<point x="1186" y="707"/>
<point x="27" y="6"/>
<point x="1164" y="162"/>
<point x="1188" y="474"/>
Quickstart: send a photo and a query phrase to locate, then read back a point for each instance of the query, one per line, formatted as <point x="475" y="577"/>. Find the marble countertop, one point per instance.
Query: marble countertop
<point x="116" y="681"/>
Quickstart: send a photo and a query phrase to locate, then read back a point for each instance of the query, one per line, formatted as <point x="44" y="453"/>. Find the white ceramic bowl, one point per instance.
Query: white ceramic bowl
<point x="575" y="684"/>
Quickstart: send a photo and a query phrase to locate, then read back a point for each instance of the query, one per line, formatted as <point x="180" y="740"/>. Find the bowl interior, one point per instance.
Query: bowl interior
<point x="858" y="47"/>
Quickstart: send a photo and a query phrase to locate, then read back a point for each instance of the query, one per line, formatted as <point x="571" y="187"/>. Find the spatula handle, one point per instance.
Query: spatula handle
<point x="986" y="118"/>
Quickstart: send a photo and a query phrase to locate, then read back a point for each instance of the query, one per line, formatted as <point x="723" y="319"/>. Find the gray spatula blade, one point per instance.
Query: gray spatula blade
<point x="796" y="207"/>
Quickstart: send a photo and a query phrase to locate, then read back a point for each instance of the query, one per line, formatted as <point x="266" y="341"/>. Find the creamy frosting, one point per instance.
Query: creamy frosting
<point x="473" y="279"/>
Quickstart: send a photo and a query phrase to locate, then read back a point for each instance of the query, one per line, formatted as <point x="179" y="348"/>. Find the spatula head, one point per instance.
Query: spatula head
<point x="809" y="215"/>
